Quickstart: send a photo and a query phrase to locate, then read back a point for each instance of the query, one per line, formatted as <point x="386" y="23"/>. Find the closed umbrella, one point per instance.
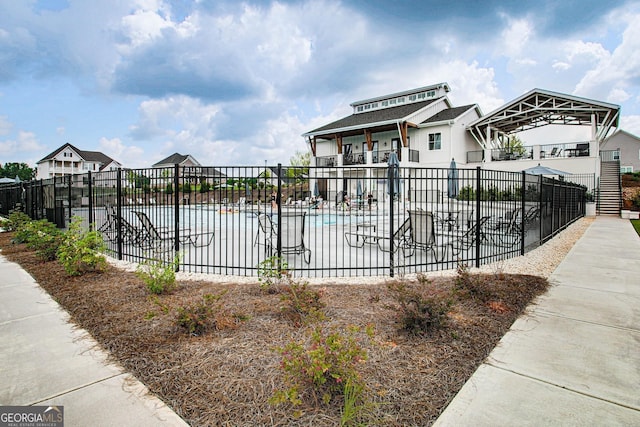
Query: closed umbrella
<point x="452" y="180"/>
<point x="359" y="190"/>
<point x="315" y="189"/>
<point x="393" y="181"/>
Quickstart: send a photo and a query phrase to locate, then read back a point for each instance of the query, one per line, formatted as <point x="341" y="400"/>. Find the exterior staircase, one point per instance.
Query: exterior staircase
<point x="610" y="196"/>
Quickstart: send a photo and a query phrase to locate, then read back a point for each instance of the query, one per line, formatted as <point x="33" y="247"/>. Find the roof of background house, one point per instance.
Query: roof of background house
<point x="175" y="158"/>
<point x="89" y="156"/>
<point x="376" y="116"/>
<point x="449" y="114"/>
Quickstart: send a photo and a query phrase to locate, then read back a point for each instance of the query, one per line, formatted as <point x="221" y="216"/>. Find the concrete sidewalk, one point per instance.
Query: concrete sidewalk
<point x="574" y="360"/>
<point x="45" y="361"/>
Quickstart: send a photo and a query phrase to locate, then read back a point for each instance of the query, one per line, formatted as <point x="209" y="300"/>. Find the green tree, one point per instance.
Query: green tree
<point x="300" y="165"/>
<point x="21" y="170"/>
<point x="514" y="145"/>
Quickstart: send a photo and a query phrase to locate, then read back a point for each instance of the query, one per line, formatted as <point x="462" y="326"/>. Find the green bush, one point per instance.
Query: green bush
<point x="158" y="275"/>
<point x="79" y="251"/>
<point x="15" y="220"/>
<point x="272" y="274"/>
<point x="321" y="366"/>
<point x="45" y="239"/>
<point x="418" y="311"/>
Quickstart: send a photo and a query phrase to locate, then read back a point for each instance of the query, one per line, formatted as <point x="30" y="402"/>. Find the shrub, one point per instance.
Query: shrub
<point x="196" y="319"/>
<point x="418" y="312"/>
<point x="45" y="239"/>
<point x="272" y="273"/>
<point x="158" y="275"/>
<point x="323" y="366"/>
<point x="79" y="250"/>
<point x="301" y="304"/>
<point x="15" y="220"/>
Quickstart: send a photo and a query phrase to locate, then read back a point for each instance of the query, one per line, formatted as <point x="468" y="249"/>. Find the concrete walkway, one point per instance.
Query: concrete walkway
<point x="574" y="360"/>
<point x="45" y="360"/>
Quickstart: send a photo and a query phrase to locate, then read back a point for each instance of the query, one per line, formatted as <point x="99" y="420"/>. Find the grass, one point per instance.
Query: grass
<point x="636" y="225"/>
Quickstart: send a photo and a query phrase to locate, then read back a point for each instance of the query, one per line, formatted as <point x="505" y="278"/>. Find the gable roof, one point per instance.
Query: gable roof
<point x="540" y="107"/>
<point x="88" y="156"/>
<point x="375" y="117"/>
<point x="451" y="114"/>
<point x="175" y="158"/>
<point x="622" y="131"/>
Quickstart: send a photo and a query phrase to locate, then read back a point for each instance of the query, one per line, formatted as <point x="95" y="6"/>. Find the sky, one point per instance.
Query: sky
<point x="238" y="83"/>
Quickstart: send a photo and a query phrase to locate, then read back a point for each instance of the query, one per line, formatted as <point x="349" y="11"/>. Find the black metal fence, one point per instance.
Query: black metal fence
<point x="322" y="221"/>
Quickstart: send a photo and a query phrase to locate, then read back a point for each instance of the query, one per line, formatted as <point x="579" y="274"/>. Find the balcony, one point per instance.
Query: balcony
<point x="547" y="151"/>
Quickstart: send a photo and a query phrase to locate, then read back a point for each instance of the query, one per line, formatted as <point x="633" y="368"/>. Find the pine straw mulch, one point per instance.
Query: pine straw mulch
<point x="226" y="376"/>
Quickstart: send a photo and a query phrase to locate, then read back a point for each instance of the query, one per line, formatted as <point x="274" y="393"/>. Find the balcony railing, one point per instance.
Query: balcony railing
<point x="575" y="149"/>
<point x="610" y="155"/>
<point x="329" y="161"/>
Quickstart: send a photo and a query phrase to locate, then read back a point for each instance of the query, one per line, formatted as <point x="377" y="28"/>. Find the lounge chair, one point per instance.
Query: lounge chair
<point x="422" y="235"/>
<point x="156" y="238"/>
<point x="291" y="239"/>
<point x="109" y="229"/>
<point x="467" y="239"/>
<point x="369" y="236"/>
<point x="507" y="231"/>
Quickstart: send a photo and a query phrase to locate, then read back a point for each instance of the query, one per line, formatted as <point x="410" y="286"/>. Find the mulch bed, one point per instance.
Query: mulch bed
<point x="227" y="375"/>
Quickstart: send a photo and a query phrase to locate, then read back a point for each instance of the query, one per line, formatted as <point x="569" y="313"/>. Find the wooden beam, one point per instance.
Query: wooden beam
<point x="367" y="137"/>
<point x="403" y="134"/>
<point x="313" y="144"/>
<point x="339" y="142"/>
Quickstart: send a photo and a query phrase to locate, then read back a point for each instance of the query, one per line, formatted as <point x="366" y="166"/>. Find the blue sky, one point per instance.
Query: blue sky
<point x="237" y="83"/>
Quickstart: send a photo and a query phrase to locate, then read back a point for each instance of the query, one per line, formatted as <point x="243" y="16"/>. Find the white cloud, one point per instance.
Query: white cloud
<point x="26" y="142"/>
<point x="516" y="36"/>
<point x="118" y="151"/>
<point x="617" y="71"/>
<point x="631" y="124"/>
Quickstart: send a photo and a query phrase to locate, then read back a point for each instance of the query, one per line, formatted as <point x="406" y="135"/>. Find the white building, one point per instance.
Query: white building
<point x="427" y="131"/>
<point x="69" y="160"/>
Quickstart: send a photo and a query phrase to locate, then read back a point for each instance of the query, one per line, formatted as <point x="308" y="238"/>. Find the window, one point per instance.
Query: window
<point x="616" y="155"/>
<point x="626" y="169"/>
<point x="435" y="141"/>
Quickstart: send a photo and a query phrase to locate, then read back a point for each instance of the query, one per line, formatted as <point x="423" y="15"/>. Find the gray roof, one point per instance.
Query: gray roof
<point x="89" y="156"/>
<point x="449" y="114"/>
<point x="172" y="159"/>
<point x="375" y="116"/>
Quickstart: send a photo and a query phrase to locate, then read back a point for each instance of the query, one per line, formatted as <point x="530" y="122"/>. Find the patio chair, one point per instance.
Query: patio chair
<point x="422" y="235"/>
<point x="158" y="238"/>
<point x="507" y="230"/>
<point x="292" y="237"/>
<point x="467" y="239"/>
<point x="369" y="236"/>
<point x="109" y="229"/>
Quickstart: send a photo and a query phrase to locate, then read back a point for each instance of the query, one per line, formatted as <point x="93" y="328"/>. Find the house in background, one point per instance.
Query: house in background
<point x="420" y="125"/>
<point x="194" y="172"/>
<point x="629" y="147"/>
<point x="425" y="130"/>
<point x="70" y="160"/>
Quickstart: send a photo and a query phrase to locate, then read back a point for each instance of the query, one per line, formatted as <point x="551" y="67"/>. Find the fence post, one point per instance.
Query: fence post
<point x="523" y="206"/>
<point x="90" y="202"/>
<point x="119" y="211"/>
<point x="279" y="222"/>
<point x="391" y="174"/>
<point x="541" y="212"/>
<point x="478" y="231"/>
<point x="176" y="209"/>
<point x="69" y="195"/>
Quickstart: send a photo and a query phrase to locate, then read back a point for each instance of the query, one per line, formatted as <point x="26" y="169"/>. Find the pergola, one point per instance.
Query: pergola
<point x="540" y="108"/>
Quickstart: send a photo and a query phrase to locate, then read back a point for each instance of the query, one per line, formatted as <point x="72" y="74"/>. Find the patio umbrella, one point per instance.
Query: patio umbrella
<point x="393" y="181"/>
<point x="452" y="180"/>
<point x="315" y="189"/>
<point x="543" y="170"/>
<point x="359" y="190"/>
